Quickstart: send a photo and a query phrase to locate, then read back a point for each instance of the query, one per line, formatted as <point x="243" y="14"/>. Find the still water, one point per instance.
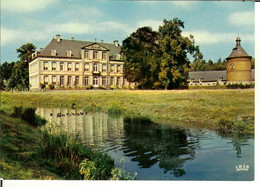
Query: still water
<point x="160" y="152"/>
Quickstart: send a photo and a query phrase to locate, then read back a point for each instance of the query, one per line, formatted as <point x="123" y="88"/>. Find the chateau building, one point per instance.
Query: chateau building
<point x="69" y="63"/>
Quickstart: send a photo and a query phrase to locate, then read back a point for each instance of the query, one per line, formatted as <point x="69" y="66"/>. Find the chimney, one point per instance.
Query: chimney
<point x="57" y="38"/>
<point x="116" y="43"/>
<point x="72" y="38"/>
<point x="102" y="41"/>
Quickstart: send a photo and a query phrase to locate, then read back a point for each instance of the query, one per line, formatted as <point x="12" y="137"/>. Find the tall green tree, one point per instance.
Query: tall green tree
<point x="174" y="48"/>
<point x="20" y="74"/>
<point x="5" y="73"/>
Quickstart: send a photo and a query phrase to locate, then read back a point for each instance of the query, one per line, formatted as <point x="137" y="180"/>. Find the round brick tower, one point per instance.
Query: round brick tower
<point x="238" y="65"/>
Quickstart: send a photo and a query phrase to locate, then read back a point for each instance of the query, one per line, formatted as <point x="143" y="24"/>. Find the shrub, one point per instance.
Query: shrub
<point x="240" y="86"/>
<point x="66" y="156"/>
<point x="17" y="111"/>
<point x="92" y="107"/>
<point x="51" y="86"/>
<point x="115" y="110"/>
<point x="42" y="86"/>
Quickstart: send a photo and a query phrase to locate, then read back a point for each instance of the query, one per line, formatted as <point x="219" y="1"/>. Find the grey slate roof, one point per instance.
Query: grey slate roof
<point x="74" y="46"/>
<point x="238" y="51"/>
<point x="213" y="75"/>
<point x="207" y="75"/>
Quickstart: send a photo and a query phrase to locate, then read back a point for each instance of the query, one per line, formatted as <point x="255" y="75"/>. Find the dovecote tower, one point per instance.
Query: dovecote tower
<point x="238" y="65"/>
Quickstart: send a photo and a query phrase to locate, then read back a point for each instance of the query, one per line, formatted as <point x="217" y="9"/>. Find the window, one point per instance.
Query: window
<point x="54" y="80"/>
<point x="45" y="66"/>
<point x="53" y="52"/>
<point x="104" y="55"/>
<point x="112" y="68"/>
<point x="95" y="81"/>
<point x="61" y="66"/>
<point x="69" y="53"/>
<point x="69" y="80"/>
<point x="87" y="54"/>
<point x="231" y="66"/>
<point x="77" y="67"/>
<point x="112" y="81"/>
<point x="104" y="68"/>
<point x="86" y="81"/>
<point x="118" y="68"/>
<point x="53" y="66"/>
<point x="95" y="67"/>
<point x="118" y="81"/>
<point x="61" y="80"/>
<point x="104" y="81"/>
<point x="115" y="68"/>
<point x="46" y="80"/>
<point x="69" y="66"/>
<point x="86" y="67"/>
<point x="76" y="80"/>
<point x="95" y="53"/>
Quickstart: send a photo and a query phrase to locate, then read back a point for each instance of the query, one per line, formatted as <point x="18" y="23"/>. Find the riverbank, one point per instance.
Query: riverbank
<point x="209" y="108"/>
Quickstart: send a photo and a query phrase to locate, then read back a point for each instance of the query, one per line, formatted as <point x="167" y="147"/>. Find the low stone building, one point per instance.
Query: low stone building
<point x="70" y="63"/>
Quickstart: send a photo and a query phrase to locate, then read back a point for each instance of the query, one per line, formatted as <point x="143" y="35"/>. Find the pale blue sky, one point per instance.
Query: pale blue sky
<point x="214" y="24"/>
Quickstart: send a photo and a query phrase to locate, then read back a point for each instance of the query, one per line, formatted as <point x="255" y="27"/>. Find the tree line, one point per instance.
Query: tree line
<point x="15" y="75"/>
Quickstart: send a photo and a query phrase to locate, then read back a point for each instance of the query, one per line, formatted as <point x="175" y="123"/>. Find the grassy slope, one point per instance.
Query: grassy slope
<point x="18" y="143"/>
<point x="203" y="106"/>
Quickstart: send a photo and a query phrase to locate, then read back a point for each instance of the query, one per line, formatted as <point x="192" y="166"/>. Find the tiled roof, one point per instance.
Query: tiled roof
<point x="207" y="75"/>
<point x="238" y="51"/>
<point x="74" y="46"/>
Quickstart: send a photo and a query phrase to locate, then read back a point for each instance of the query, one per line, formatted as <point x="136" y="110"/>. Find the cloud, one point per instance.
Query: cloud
<point x="184" y="4"/>
<point x="9" y="36"/>
<point x="205" y="37"/>
<point x="244" y="18"/>
<point x="22" y="6"/>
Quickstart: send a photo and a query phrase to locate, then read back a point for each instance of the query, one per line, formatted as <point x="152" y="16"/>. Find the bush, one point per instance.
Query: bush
<point x="240" y="86"/>
<point x="42" y="86"/>
<point x="17" y="111"/>
<point x="66" y="156"/>
<point x="51" y="86"/>
<point x="115" y="110"/>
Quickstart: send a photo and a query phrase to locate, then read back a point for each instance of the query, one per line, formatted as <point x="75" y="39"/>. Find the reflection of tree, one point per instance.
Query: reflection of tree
<point x="238" y="140"/>
<point x="150" y="144"/>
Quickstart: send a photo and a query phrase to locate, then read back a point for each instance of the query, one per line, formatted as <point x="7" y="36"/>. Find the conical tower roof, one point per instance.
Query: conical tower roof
<point x="238" y="51"/>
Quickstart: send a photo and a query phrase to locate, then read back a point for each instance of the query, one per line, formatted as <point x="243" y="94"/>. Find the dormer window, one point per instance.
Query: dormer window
<point x="53" y="52"/>
<point x="69" y="53"/>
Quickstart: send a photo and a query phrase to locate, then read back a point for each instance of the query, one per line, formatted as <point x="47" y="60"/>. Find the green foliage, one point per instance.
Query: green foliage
<point x="42" y="86"/>
<point x="120" y="173"/>
<point x="51" y="86"/>
<point x="240" y="86"/>
<point x="156" y="59"/>
<point x="202" y="65"/>
<point x="5" y="73"/>
<point x="66" y="156"/>
<point x="115" y="110"/>
<point x="92" y="107"/>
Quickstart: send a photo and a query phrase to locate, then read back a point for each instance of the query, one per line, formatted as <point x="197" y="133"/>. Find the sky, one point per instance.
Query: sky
<point x="214" y="24"/>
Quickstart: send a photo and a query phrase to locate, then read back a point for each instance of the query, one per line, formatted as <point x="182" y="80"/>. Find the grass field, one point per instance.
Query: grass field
<point x="200" y="107"/>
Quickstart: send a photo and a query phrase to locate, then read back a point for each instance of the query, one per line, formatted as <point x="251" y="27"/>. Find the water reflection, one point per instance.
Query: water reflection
<point x="165" y="150"/>
<point x="151" y="144"/>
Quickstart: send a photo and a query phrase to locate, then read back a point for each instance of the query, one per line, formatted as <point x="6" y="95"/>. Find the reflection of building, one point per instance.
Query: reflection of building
<point x="96" y="128"/>
<point x="76" y="64"/>
<point x="238" y="70"/>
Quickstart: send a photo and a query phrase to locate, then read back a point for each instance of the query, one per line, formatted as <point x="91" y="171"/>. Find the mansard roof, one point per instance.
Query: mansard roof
<point x="63" y="45"/>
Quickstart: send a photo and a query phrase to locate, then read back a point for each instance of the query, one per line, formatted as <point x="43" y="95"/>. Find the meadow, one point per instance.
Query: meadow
<point x="217" y="109"/>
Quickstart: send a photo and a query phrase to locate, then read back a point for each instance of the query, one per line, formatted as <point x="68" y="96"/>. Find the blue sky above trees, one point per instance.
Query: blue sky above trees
<point x="214" y="24"/>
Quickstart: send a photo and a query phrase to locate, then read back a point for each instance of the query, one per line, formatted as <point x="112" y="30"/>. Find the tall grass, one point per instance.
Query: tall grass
<point x="63" y="155"/>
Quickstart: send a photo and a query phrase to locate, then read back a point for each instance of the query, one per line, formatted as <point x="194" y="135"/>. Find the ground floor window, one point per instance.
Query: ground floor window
<point x="46" y="80"/>
<point x="61" y="80"/>
<point x="118" y="81"/>
<point x="54" y="80"/>
<point x="76" y="80"/>
<point x="95" y="81"/>
<point x="69" y="80"/>
<point x="112" y="81"/>
<point x="104" y="81"/>
<point x="86" y="81"/>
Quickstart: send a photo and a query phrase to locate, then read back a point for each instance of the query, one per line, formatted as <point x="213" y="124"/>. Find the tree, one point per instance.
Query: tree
<point x="156" y="59"/>
<point x="20" y="74"/>
<point x="5" y="73"/>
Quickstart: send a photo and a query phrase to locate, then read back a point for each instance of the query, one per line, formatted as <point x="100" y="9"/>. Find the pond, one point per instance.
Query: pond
<point x="160" y="152"/>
